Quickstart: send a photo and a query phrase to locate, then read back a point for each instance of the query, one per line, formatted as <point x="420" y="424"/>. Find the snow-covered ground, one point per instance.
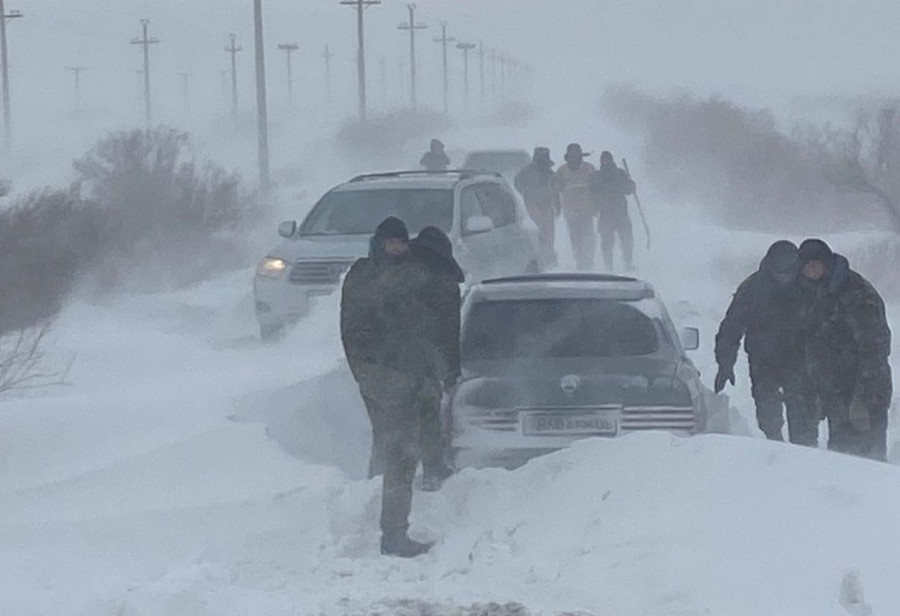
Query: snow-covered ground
<point x="188" y="469"/>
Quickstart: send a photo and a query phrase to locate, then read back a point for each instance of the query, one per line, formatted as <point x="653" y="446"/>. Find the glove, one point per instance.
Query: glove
<point x="724" y="375"/>
<point x="859" y="415"/>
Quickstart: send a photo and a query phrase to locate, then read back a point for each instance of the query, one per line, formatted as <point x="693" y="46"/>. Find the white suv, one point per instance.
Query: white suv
<point x="490" y="230"/>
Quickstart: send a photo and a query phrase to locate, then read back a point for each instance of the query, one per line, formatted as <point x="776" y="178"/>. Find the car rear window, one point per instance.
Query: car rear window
<point x="558" y="328"/>
<point x="358" y="212"/>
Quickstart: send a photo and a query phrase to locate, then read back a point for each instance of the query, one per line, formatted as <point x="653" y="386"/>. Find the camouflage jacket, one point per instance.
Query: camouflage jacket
<point x="769" y="319"/>
<point x="848" y="340"/>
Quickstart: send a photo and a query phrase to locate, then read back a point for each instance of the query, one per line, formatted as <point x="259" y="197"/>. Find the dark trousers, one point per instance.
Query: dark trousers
<point x="394" y="402"/>
<point x="611" y="223"/>
<point x="845" y="437"/>
<point x="431" y="436"/>
<point x="779" y="390"/>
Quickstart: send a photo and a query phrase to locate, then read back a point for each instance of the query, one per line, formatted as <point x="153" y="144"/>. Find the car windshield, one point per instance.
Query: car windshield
<point x="499" y="162"/>
<point x="558" y="328"/>
<point x="358" y="212"/>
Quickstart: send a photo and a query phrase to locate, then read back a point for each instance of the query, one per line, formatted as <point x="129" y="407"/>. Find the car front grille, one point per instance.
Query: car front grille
<point x="318" y="272"/>
<point x="658" y="418"/>
<point x="505" y="421"/>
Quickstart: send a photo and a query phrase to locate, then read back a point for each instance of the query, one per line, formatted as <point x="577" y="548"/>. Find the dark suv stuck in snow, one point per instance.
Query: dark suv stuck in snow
<point x="551" y="358"/>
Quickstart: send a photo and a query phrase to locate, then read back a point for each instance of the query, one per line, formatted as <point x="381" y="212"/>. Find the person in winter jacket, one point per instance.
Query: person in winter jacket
<point x="535" y="184"/>
<point x="387" y="339"/>
<point x="769" y="311"/>
<point x="611" y="187"/>
<point x="848" y="342"/>
<point x="435" y="159"/>
<point x="572" y="183"/>
<point x="442" y="277"/>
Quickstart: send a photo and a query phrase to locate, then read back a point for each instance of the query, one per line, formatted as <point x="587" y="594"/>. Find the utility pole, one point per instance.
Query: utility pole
<point x="186" y="90"/>
<point x="443" y="41"/>
<point x="382" y="65"/>
<point x="145" y="42"/>
<point x="361" y="6"/>
<point x="77" y="70"/>
<point x="288" y="49"/>
<point x="412" y="26"/>
<point x="233" y="49"/>
<point x="492" y="56"/>
<point x="262" y="116"/>
<point x="466" y="48"/>
<point x="481" y="72"/>
<point x="503" y="63"/>
<point x="7" y="118"/>
<point x="328" y="54"/>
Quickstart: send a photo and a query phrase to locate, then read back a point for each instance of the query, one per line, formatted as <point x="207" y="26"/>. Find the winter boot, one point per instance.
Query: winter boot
<point x="399" y="544"/>
<point x="432" y="478"/>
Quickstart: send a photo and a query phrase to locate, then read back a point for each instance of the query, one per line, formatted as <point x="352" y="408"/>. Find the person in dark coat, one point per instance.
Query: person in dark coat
<point x="848" y="342"/>
<point x="768" y="311"/>
<point x="443" y="275"/>
<point x="386" y="335"/>
<point x="435" y="159"/>
<point x="611" y="186"/>
<point x="535" y="184"/>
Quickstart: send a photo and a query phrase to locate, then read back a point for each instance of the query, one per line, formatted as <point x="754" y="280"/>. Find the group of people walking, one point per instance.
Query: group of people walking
<point x="592" y="201"/>
<point x="817" y="339"/>
<point x="587" y="198"/>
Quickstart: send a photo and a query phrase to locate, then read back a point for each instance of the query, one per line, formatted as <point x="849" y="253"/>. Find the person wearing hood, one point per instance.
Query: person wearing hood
<point x="386" y="339"/>
<point x="848" y="342"/>
<point x="535" y="183"/>
<point x="435" y="159"/>
<point x="442" y="276"/>
<point x="768" y="311"/>
<point x="572" y="187"/>
<point x="611" y="186"/>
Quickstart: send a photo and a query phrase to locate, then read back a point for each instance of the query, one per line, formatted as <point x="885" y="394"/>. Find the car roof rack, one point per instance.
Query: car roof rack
<point x="462" y="173"/>
<point x="562" y="277"/>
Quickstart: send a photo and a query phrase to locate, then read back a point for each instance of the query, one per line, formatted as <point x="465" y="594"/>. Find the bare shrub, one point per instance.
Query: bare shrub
<point x="23" y="364"/>
<point x="178" y="219"/>
<point x="745" y="171"/>
<point x="49" y="239"/>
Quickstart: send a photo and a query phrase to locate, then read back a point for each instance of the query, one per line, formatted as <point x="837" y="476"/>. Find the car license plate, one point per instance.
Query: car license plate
<point x="550" y="424"/>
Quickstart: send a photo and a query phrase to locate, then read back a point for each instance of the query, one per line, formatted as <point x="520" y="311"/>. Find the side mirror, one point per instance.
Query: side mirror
<point x="479" y="224"/>
<point x="287" y="228"/>
<point x="690" y="338"/>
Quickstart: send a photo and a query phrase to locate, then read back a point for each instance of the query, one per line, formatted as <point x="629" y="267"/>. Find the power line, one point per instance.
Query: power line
<point x="145" y="42"/>
<point x="412" y="26"/>
<point x="361" y="6"/>
<point x="443" y="40"/>
<point x="288" y="49"/>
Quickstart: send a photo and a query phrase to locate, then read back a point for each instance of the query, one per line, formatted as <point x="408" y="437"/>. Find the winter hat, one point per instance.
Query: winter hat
<point x="606" y="158"/>
<point x="436" y="144"/>
<point x="436" y="241"/>
<point x="542" y="154"/>
<point x="391" y="228"/>
<point x="782" y="258"/>
<point x="815" y="250"/>
<point x="573" y="150"/>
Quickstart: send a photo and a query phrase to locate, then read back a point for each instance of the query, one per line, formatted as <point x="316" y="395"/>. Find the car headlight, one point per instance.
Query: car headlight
<point x="270" y="267"/>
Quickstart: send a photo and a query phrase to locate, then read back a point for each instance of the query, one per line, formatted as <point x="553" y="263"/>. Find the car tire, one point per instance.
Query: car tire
<point x="270" y="331"/>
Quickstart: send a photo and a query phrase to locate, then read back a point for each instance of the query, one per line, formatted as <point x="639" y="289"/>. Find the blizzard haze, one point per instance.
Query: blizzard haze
<point x="168" y="462"/>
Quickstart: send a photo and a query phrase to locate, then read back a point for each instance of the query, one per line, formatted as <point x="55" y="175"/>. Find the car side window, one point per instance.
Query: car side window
<point x="469" y="204"/>
<point x="497" y="203"/>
